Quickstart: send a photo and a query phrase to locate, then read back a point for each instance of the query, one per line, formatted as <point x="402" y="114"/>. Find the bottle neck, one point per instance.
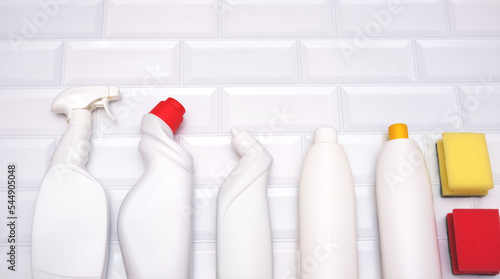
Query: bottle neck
<point x="74" y="146"/>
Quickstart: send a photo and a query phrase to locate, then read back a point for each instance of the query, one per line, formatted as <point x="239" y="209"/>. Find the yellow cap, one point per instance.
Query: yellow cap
<point x="398" y="131"/>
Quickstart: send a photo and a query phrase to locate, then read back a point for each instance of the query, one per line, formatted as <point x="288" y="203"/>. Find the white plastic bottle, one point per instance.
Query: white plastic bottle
<point x="244" y="242"/>
<point x="154" y="222"/>
<point x="408" y="237"/>
<point x="327" y="211"/>
<point x="71" y="218"/>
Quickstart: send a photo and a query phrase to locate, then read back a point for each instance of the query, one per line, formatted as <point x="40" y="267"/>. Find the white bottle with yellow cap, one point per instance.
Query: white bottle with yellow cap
<point x="407" y="226"/>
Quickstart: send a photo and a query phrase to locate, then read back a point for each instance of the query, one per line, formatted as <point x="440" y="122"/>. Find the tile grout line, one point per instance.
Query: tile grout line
<point x="104" y="18"/>
<point x="459" y="107"/>
<point x="416" y="63"/>
<point x="340" y="107"/>
<point x="63" y="62"/>
<point x="333" y="17"/>
<point x="299" y="61"/>
<point x="447" y="18"/>
<point x="219" y="113"/>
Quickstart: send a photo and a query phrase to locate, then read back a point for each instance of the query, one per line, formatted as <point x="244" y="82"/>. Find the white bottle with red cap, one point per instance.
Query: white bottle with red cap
<point x="154" y="222"/>
<point x="408" y="237"/>
<point x="327" y="211"/>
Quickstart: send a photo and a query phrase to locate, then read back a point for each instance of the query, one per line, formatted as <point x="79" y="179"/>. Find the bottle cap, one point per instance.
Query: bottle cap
<point x="171" y="112"/>
<point x="325" y="134"/>
<point x="398" y="131"/>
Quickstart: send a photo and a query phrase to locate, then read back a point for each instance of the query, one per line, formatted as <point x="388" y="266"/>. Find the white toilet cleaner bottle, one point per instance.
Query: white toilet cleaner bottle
<point x="327" y="211"/>
<point x="154" y="222"/>
<point x="408" y="237"/>
<point x="71" y="218"/>
<point x="244" y="241"/>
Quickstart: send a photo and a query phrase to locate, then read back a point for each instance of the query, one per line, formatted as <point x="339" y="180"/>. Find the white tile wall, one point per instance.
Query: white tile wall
<point x="209" y="62"/>
<point x="458" y="60"/>
<point x="474" y="18"/>
<point x="278" y="68"/>
<point x="374" y="108"/>
<point x="276" y="18"/>
<point x="286" y="109"/>
<point x="30" y="63"/>
<point x="381" y="18"/>
<point x="28" y="19"/>
<point x="156" y="18"/>
<point x="146" y="63"/>
<point x="479" y="105"/>
<point x="357" y="61"/>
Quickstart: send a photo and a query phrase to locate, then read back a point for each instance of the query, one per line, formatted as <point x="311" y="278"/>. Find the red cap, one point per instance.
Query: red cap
<point x="171" y="112"/>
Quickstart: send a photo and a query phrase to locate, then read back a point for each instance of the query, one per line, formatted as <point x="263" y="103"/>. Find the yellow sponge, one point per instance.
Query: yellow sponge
<point x="464" y="165"/>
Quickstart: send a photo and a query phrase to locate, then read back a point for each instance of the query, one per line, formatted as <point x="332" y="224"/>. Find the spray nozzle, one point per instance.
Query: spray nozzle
<point x="87" y="97"/>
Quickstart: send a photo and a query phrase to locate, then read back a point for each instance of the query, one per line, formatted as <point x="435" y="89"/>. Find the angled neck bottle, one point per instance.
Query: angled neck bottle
<point x="154" y="222"/>
<point x="244" y="242"/>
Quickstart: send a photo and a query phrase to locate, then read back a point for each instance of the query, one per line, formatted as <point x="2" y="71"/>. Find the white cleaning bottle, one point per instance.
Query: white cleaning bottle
<point x="154" y="222"/>
<point x="244" y="241"/>
<point x="327" y="211"/>
<point x="71" y="218"/>
<point x="408" y="237"/>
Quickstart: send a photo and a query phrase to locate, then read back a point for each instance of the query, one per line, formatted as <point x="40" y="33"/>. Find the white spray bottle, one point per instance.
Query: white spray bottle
<point x="154" y="222"/>
<point x="71" y="219"/>
<point x="244" y="241"/>
<point x="408" y="237"/>
<point x="327" y="211"/>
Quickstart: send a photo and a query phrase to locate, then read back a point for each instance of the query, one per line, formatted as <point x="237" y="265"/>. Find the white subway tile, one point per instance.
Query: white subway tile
<point x="382" y="18"/>
<point x="212" y="62"/>
<point x="369" y="259"/>
<point x="115" y="268"/>
<point x="204" y="261"/>
<point x="492" y="200"/>
<point x="24" y="207"/>
<point x="146" y="63"/>
<point x="14" y="105"/>
<point x="474" y="18"/>
<point x="366" y="212"/>
<point x="268" y="110"/>
<point x="285" y="150"/>
<point x="31" y="156"/>
<point x="285" y="259"/>
<point x="31" y="19"/>
<point x="362" y="152"/>
<point x="357" y="61"/>
<point x="214" y="158"/>
<point x="479" y="106"/>
<point x="432" y="159"/>
<point x="420" y="107"/>
<point x="23" y="262"/>
<point x="283" y="207"/>
<point x="443" y="206"/>
<point x="276" y="18"/>
<point x="205" y="213"/>
<point x="115" y="198"/>
<point x="157" y="18"/>
<point x="458" y="60"/>
<point x="201" y="104"/>
<point x="493" y="142"/>
<point x="115" y="162"/>
<point x="30" y="63"/>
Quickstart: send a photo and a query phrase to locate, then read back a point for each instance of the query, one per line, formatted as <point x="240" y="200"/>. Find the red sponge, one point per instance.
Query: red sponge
<point x="474" y="238"/>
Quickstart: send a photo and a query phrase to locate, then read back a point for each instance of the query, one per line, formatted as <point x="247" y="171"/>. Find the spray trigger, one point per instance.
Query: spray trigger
<point x="104" y="103"/>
